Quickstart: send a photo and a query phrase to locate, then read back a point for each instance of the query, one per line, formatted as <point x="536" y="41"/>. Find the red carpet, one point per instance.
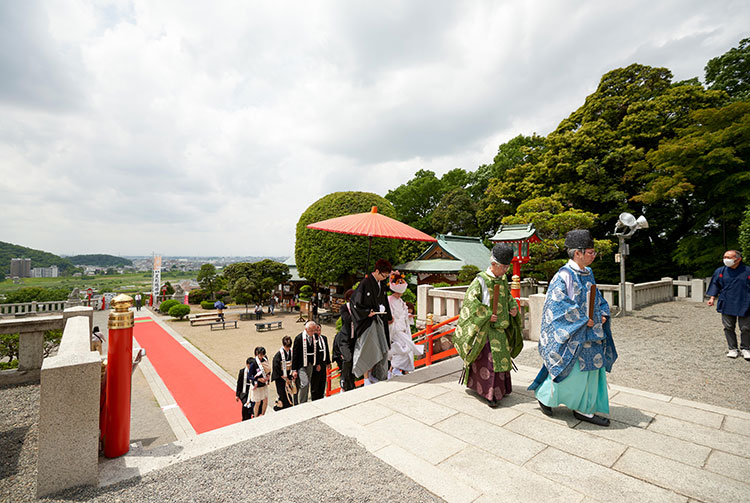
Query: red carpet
<point x="207" y="402"/>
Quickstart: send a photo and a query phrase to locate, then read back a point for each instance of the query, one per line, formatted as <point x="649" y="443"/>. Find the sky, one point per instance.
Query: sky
<point x="207" y="128"/>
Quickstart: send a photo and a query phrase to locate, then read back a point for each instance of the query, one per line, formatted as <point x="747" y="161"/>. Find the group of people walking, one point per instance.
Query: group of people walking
<point x="575" y="341"/>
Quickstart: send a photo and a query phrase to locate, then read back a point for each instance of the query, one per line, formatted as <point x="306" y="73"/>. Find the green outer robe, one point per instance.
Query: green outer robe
<point x="475" y="328"/>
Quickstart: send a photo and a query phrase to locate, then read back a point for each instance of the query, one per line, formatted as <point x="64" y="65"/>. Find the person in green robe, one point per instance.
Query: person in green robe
<point x="487" y="342"/>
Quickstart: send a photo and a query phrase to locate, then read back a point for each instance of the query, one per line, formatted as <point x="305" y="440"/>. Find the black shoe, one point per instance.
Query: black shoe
<point x="597" y="420"/>
<point x="547" y="411"/>
<point x="493" y="404"/>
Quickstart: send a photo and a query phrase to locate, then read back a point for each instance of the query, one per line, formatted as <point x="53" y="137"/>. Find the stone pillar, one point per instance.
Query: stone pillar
<point x="682" y="291"/>
<point x="30" y="350"/>
<point x="696" y="290"/>
<point x="422" y="307"/>
<point x="536" y="305"/>
<point x="80" y="311"/>
<point x="629" y="296"/>
<point x="69" y="413"/>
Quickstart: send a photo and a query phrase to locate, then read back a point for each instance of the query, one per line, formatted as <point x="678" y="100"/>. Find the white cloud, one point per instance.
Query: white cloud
<point x="208" y="128"/>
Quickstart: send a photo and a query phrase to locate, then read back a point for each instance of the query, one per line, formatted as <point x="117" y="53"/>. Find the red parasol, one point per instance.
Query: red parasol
<point x="371" y="224"/>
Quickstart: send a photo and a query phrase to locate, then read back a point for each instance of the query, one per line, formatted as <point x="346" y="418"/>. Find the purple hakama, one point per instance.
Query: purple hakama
<point x="485" y="381"/>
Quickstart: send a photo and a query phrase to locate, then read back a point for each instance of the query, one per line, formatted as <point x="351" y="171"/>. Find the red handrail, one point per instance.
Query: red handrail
<point x="430" y="334"/>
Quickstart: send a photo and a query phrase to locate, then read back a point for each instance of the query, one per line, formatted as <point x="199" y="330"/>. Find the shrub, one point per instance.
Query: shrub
<point x="179" y="311"/>
<point x="207" y="304"/>
<point x="442" y="284"/>
<point x="305" y="292"/>
<point x="197" y="296"/>
<point x="9" y="347"/>
<point x="165" y="306"/>
<point x="52" y="340"/>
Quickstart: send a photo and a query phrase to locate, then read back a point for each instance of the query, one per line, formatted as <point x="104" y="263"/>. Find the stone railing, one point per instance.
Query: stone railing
<point x="22" y="308"/>
<point x="444" y="303"/>
<point x="31" y="341"/>
<point x="68" y="447"/>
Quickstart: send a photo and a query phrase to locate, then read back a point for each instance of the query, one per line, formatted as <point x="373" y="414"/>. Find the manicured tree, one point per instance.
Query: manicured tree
<point x="745" y="234"/>
<point x="209" y="280"/>
<point x="179" y="311"/>
<point x="326" y="257"/>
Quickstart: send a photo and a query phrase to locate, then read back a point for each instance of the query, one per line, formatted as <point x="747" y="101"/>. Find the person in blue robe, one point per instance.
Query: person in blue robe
<point x="730" y="290"/>
<point x="577" y="351"/>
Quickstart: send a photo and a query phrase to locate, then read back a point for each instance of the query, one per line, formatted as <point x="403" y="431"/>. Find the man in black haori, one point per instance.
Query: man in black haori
<point x="371" y="313"/>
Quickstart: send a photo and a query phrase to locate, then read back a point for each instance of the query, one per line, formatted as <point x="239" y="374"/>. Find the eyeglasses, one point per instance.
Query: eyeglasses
<point x="592" y="253"/>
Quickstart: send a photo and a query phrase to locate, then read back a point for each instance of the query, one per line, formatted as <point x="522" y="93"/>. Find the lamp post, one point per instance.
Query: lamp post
<point x="625" y="227"/>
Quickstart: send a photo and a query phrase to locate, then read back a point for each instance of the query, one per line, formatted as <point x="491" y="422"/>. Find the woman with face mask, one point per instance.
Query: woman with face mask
<point x="730" y="291"/>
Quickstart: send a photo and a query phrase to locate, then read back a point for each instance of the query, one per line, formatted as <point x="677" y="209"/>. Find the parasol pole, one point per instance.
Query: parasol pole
<point x="369" y="245"/>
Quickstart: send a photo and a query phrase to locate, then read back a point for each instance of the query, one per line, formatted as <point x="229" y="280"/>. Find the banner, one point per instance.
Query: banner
<point x="156" y="283"/>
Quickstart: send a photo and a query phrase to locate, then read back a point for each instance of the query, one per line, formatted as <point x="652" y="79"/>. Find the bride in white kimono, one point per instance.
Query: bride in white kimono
<point x="402" y="349"/>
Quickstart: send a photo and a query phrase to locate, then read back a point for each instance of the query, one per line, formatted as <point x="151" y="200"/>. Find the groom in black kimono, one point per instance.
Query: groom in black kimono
<point x="370" y="298"/>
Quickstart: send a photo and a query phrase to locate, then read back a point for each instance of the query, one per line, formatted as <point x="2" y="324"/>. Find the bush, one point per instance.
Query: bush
<point x="197" y="296"/>
<point x="9" y="347"/>
<point x="305" y="292"/>
<point x="207" y="304"/>
<point x="52" y="340"/>
<point x="441" y="285"/>
<point x="179" y="311"/>
<point x="165" y="306"/>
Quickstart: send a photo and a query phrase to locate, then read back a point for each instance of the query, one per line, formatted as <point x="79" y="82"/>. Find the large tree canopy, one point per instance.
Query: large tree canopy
<point x="327" y="257"/>
<point x="730" y="72"/>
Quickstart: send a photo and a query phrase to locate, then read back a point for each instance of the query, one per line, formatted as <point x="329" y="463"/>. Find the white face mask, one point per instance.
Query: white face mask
<point x="728" y="262"/>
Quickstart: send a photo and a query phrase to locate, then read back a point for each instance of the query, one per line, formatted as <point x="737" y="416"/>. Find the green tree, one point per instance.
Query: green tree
<point x="467" y="274"/>
<point x="327" y="257"/>
<point x="702" y="176"/>
<point x="552" y="221"/>
<point x="209" y="280"/>
<point x="456" y="213"/>
<point x="243" y="292"/>
<point x="744" y="238"/>
<point x="730" y="72"/>
<point x="255" y="281"/>
<point x="415" y="200"/>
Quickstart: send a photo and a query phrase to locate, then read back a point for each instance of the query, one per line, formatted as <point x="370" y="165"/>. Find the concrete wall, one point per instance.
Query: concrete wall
<point x="69" y="412"/>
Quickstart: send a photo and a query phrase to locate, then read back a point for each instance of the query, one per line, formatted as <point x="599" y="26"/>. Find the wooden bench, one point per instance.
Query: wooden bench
<point x="202" y="317"/>
<point x="269" y="325"/>
<point x="223" y="324"/>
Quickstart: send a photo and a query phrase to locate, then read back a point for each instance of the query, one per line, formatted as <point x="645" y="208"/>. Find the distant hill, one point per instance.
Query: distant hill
<point x="38" y="258"/>
<point x="100" y="260"/>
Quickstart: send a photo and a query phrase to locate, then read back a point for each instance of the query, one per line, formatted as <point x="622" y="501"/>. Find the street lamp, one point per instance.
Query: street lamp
<point x="625" y="227"/>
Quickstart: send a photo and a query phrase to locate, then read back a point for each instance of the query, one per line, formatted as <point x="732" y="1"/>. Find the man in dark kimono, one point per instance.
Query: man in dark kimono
<point x="371" y="313"/>
<point x="343" y="345"/>
<point x="321" y="367"/>
<point x="242" y="392"/>
<point x="303" y="359"/>
<point x="282" y="374"/>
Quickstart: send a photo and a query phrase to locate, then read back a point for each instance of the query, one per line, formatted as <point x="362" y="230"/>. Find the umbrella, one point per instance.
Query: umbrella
<point x="371" y="224"/>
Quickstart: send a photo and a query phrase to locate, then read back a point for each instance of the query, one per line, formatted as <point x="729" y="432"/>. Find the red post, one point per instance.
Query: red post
<point x="428" y="338"/>
<point x="515" y="284"/>
<point x="119" y="370"/>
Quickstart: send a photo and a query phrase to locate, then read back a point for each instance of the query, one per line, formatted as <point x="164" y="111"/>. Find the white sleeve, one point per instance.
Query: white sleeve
<point x="568" y="280"/>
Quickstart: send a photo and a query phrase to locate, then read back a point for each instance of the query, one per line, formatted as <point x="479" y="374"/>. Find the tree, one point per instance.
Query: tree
<point x="703" y="176"/>
<point x="456" y="213"/>
<point x="467" y="274"/>
<point x="255" y="281"/>
<point x="552" y="221"/>
<point x="745" y="234"/>
<point x="415" y="200"/>
<point x="328" y="257"/>
<point x="209" y="280"/>
<point x="730" y="72"/>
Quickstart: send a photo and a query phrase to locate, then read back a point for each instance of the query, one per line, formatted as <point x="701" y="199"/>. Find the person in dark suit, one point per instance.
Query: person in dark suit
<point x="322" y="365"/>
<point x="242" y="393"/>
<point x="343" y="345"/>
<point x="303" y="359"/>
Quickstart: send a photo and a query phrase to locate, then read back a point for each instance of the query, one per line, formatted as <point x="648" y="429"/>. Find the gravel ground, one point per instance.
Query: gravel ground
<point x="678" y="349"/>
<point x="18" y="439"/>
<point x="301" y="463"/>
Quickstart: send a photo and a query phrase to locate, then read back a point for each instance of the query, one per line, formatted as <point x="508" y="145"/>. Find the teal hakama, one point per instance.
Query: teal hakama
<point x="582" y="391"/>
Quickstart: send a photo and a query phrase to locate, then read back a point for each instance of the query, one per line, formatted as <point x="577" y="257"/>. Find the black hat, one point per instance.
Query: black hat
<point x="502" y="253"/>
<point x="579" y="239"/>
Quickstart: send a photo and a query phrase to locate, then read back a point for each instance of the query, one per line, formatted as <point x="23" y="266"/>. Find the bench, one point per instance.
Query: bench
<point x="202" y="317"/>
<point x="327" y="316"/>
<point x="269" y="325"/>
<point x="223" y="324"/>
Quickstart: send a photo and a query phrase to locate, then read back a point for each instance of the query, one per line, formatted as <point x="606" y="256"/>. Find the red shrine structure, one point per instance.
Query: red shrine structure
<point x="520" y="235"/>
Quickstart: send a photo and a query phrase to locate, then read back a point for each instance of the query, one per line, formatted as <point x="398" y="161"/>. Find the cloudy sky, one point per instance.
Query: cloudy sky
<point x="207" y="128"/>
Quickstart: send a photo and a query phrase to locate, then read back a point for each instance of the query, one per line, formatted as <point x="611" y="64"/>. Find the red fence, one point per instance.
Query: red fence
<point x="425" y="337"/>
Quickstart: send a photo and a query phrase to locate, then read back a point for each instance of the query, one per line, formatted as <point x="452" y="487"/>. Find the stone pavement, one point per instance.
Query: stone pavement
<point x="658" y="448"/>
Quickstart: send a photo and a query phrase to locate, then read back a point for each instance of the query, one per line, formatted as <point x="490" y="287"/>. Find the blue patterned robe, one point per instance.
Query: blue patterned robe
<point x="565" y="340"/>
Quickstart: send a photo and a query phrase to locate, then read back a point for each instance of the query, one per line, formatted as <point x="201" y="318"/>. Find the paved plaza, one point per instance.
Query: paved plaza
<point x="421" y="437"/>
